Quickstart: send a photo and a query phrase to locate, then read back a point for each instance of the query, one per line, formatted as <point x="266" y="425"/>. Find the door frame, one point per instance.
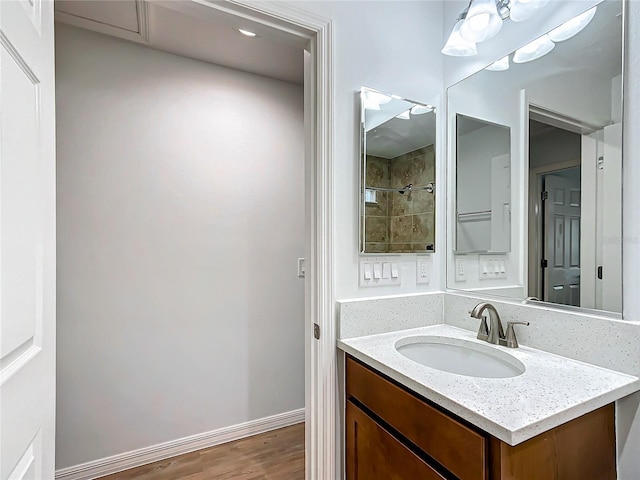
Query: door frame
<point x="321" y="415"/>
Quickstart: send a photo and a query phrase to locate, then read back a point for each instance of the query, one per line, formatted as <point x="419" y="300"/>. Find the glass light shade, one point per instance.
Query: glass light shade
<point x="482" y="22"/>
<point x="572" y="27"/>
<point x="404" y="115"/>
<point x="500" y="65"/>
<point x="421" y="109"/>
<point x="534" y="50"/>
<point x="457" y="46"/>
<point x="521" y="10"/>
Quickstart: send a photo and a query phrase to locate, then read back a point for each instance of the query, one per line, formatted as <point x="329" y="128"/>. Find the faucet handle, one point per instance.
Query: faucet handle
<point x="510" y="339"/>
<point x="483" y="331"/>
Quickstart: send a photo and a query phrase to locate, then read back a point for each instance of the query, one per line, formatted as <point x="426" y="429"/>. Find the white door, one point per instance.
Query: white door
<point x="562" y="237"/>
<point x="27" y="240"/>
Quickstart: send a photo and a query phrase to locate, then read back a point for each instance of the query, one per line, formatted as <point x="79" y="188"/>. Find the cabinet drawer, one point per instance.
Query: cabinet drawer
<point x="458" y="448"/>
<point x="375" y="454"/>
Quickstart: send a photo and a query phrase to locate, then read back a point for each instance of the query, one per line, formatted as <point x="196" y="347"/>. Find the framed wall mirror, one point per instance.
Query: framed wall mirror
<point x="556" y="235"/>
<point x="397" y="168"/>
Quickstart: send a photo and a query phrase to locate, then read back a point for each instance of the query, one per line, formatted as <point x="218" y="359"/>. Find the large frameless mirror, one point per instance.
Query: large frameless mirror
<point x="397" y="165"/>
<point x="546" y="220"/>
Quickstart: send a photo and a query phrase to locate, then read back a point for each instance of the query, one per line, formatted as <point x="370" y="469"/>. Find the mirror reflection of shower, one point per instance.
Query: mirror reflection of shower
<point x="397" y="174"/>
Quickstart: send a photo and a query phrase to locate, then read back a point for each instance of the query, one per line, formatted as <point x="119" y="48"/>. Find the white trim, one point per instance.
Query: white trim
<point x="141" y="36"/>
<point x="162" y="451"/>
<point x="323" y="448"/>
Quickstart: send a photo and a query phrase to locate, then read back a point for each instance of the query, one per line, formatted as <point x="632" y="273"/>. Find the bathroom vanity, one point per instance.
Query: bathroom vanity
<point x="393" y="433"/>
<point x="553" y="420"/>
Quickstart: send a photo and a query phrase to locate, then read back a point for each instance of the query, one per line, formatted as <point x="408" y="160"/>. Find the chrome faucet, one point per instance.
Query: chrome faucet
<point x="493" y="333"/>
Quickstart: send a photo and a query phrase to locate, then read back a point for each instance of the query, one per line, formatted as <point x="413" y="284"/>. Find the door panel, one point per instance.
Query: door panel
<point x="27" y="240"/>
<point x="562" y="237"/>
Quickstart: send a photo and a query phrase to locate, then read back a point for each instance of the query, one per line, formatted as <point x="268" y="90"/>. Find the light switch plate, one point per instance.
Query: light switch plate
<point x="392" y="267"/>
<point x="492" y="267"/>
<point x="460" y="268"/>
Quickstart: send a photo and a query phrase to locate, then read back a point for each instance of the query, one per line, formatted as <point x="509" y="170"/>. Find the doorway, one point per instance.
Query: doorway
<point x="575" y="210"/>
<point x="554" y="213"/>
<point x="317" y="304"/>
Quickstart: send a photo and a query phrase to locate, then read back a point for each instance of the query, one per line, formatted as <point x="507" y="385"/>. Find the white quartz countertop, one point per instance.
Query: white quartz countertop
<point x="552" y="390"/>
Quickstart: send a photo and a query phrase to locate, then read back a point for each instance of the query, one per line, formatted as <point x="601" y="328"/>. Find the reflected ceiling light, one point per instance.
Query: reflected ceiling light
<point x="499" y="66"/>
<point x="534" y="50"/>
<point x="482" y="21"/>
<point x="572" y="27"/>
<point x="404" y="115"/>
<point x="421" y="109"/>
<point x="370" y="105"/>
<point x="521" y="10"/>
<point x="457" y="46"/>
<point x="377" y="97"/>
<point x="247" y="33"/>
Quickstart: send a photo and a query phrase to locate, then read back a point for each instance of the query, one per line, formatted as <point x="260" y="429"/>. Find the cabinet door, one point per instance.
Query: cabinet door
<point x="374" y="454"/>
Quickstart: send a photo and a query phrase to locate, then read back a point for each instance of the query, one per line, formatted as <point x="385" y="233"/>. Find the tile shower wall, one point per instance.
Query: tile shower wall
<point x="377" y="213"/>
<point x="401" y="222"/>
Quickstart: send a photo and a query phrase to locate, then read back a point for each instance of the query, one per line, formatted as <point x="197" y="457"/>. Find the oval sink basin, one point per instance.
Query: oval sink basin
<point x="460" y="357"/>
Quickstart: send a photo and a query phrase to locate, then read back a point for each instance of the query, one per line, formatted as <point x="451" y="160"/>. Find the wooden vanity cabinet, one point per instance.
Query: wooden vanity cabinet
<point x="393" y="433"/>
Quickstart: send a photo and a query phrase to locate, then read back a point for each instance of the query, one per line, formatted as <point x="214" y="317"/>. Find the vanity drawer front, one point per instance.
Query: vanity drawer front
<point x="374" y="454"/>
<point x="455" y="446"/>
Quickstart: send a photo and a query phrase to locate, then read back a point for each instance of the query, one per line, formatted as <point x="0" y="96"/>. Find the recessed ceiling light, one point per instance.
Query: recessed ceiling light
<point x="247" y="33"/>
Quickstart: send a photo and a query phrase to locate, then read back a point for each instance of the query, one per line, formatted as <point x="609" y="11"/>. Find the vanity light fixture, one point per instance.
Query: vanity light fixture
<point x="573" y="26"/>
<point x="457" y="46"/>
<point x="482" y="21"/>
<point x="499" y="66"/>
<point x="247" y="33"/>
<point x="534" y="50"/>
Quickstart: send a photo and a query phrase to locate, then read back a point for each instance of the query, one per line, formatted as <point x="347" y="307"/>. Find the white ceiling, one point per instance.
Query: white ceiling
<point x="191" y="30"/>
<point x="398" y="136"/>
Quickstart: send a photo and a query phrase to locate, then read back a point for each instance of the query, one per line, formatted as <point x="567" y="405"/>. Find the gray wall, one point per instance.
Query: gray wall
<point x="180" y="218"/>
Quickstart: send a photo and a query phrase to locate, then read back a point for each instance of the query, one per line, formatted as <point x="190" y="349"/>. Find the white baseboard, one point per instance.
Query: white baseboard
<point x="162" y="451"/>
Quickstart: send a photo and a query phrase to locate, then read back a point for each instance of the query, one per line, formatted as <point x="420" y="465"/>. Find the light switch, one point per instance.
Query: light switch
<point x="394" y="270"/>
<point x="496" y="267"/>
<point x="386" y="270"/>
<point x="367" y="271"/>
<point x="503" y="267"/>
<point x="377" y="273"/>
<point x="485" y="268"/>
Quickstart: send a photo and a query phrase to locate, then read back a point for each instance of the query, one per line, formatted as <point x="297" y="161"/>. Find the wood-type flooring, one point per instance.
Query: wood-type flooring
<point x="275" y="455"/>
